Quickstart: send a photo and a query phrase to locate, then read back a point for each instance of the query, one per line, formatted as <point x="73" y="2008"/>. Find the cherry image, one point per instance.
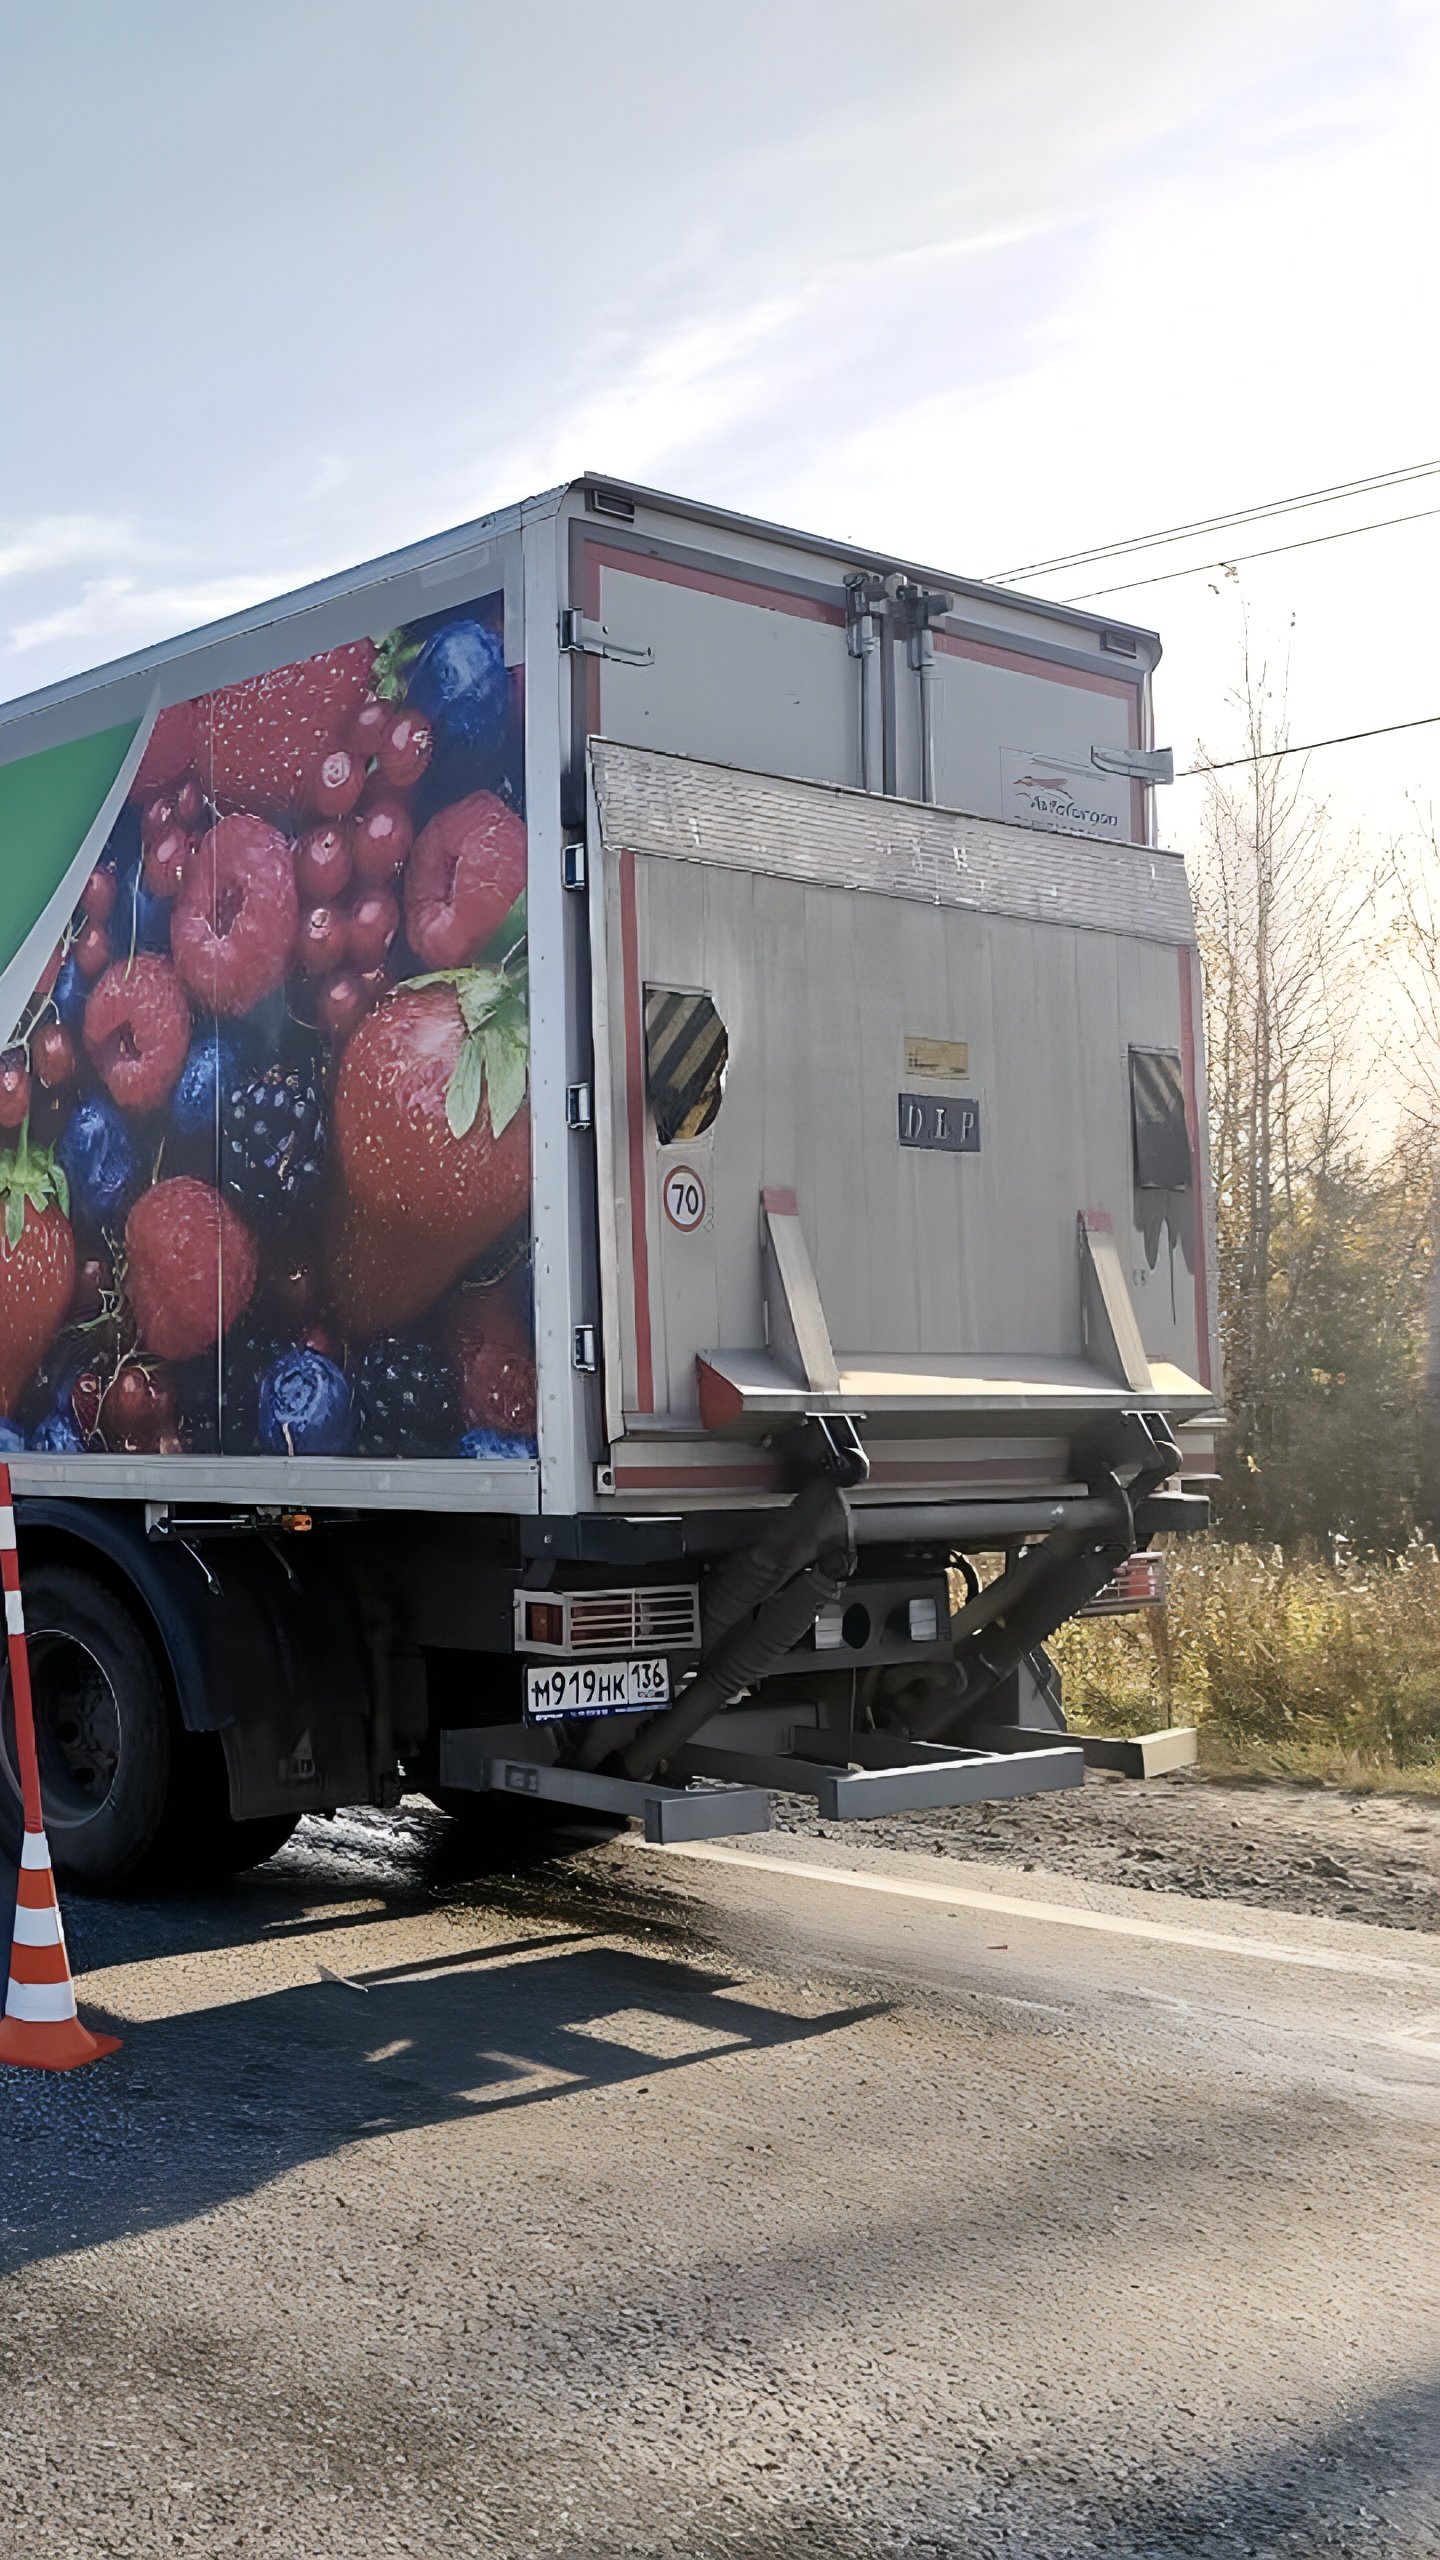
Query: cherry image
<point x="406" y="749"/>
<point x="166" y="862"/>
<point x="370" y="724"/>
<point x="98" y="900"/>
<point x="374" y="923"/>
<point x="52" y="1055"/>
<point x="91" y="951"/>
<point x="381" y="834"/>
<point x="14" y="1089"/>
<point x="338" y="782"/>
<point x="374" y="983"/>
<point x="322" y="864"/>
<point x="323" y="944"/>
<point x="50" y="972"/>
<point x="157" y="818"/>
<point x="135" y="1409"/>
<point x="189" y="803"/>
<point x="343" y="1003"/>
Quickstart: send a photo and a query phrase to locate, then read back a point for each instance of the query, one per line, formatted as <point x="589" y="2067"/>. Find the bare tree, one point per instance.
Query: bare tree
<point x="1415" y="879"/>
<point x="1281" y="927"/>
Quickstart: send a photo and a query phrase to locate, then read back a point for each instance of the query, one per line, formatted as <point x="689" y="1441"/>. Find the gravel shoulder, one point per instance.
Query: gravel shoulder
<point x="1266" y="1842"/>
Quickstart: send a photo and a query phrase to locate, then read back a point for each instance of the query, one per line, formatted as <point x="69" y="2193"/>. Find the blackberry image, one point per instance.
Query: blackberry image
<point x="408" y="1405"/>
<point x="273" y="1145"/>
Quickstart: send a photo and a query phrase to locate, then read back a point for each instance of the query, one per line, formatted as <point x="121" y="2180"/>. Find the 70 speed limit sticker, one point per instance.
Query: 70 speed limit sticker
<point x="683" y="1194"/>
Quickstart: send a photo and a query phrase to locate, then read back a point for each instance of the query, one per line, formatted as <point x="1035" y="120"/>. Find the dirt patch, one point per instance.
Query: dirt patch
<point x="1369" y="1857"/>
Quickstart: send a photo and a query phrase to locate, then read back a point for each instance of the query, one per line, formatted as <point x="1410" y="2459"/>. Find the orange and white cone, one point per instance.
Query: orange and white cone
<point x="40" y="2026"/>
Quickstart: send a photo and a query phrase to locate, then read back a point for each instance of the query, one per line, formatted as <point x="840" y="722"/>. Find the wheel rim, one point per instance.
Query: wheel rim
<point x="77" y="1729"/>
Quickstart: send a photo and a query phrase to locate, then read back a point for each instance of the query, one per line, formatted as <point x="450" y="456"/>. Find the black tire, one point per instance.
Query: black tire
<point x="132" y="1803"/>
<point x="107" y="1737"/>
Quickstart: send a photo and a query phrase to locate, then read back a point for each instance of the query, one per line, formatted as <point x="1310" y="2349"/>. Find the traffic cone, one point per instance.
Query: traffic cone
<point x="40" y="2026"/>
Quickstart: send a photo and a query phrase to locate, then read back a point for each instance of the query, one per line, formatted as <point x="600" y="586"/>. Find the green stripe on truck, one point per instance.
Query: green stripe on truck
<point x="48" y="804"/>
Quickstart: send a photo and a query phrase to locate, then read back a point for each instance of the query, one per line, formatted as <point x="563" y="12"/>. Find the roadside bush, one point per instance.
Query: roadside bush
<point x="1283" y="1663"/>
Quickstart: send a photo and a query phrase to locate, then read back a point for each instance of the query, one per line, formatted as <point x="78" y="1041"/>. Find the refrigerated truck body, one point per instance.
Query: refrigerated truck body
<point x="594" y="1108"/>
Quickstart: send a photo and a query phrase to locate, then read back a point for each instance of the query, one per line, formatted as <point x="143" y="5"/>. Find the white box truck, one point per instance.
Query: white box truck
<point x="591" y="1112"/>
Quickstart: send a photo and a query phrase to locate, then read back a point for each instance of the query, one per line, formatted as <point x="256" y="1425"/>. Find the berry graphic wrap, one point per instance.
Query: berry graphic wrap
<point x="265" y="1118"/>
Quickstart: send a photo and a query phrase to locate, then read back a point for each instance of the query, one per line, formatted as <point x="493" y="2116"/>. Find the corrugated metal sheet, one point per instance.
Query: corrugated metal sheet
<point x="651" y="803"/>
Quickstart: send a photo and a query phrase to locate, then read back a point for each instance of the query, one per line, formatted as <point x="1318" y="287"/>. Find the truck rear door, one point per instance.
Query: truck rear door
<point x="903" y="1075"/>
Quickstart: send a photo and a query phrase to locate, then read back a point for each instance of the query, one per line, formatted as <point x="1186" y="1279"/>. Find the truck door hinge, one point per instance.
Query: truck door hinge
<point x="584" y="1353"/>
<point x="579" y="1110"/>
<point x="573" y="872"/>
<point x="596" y="641"/>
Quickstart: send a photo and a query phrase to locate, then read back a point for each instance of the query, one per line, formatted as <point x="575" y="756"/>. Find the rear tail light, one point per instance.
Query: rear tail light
<point x="544" y="1622"/>
<point x="653" y="1619"/>
<point x="1139" y="1584"/>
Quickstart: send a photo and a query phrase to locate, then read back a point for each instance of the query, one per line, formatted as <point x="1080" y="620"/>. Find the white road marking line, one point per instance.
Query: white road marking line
<point x="1113" y="1924"/>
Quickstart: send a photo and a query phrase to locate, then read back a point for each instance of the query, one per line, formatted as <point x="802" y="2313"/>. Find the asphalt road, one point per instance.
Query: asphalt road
<point x="798" y="2199"/>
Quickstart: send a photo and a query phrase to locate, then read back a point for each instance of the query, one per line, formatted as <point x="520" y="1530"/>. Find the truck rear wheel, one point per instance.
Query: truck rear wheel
<point x="104" y="1731"/>
<point x="131" y="1801"/>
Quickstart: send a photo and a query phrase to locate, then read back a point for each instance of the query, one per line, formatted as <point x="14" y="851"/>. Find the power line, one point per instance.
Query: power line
<point x="1267" y="755"/>
<point x="1272" y="551"/>
<point x="1219" y="524"/>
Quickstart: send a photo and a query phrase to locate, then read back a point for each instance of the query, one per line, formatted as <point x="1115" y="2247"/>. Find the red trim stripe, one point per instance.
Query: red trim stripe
<point x="1189" y="964"/>
<point x="635" y="1130"/>
<point x="714" y="582"/>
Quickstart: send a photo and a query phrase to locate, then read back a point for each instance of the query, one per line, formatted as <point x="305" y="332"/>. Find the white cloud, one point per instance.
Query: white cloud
<point x="51" y="543"/>
<point x="113" y="615"/>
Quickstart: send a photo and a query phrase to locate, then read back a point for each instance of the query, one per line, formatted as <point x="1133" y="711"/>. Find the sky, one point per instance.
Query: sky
<point x="286" y="286"/>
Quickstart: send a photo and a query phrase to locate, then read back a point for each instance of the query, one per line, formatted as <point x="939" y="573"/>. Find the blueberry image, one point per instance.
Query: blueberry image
<point x="57" y="1437"/>
<point x="459" y="682"/>
<point x="11" y="1436"/>
<point x="99" y="1162"/>
<point x="211" y="1068"/>
<point x="498" y="1444"/>
<point x="306" y="1407"/>
<point x="71" y="992"/>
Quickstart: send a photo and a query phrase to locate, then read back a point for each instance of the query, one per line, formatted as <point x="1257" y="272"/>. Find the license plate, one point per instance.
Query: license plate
<point x="594" y="1688"/>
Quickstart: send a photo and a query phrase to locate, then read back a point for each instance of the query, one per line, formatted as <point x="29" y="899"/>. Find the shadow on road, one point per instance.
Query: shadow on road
<point x="202" y="2108"/>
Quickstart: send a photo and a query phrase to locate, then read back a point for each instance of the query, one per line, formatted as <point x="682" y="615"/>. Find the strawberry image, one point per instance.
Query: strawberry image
<point x="463" y="878"/>
<point x="432" y="1130"/>
<point x="189" y="1267"/>
<point x="260" y="745"/>
<point x="168" y="752"/>
<point x="37" y="1263"/>
<point x="236" y="916"/>
<point x="137" y="1031"/>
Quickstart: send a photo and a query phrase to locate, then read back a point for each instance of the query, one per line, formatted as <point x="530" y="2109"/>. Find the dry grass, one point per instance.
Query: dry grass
<point x="1294" y="1667"/>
